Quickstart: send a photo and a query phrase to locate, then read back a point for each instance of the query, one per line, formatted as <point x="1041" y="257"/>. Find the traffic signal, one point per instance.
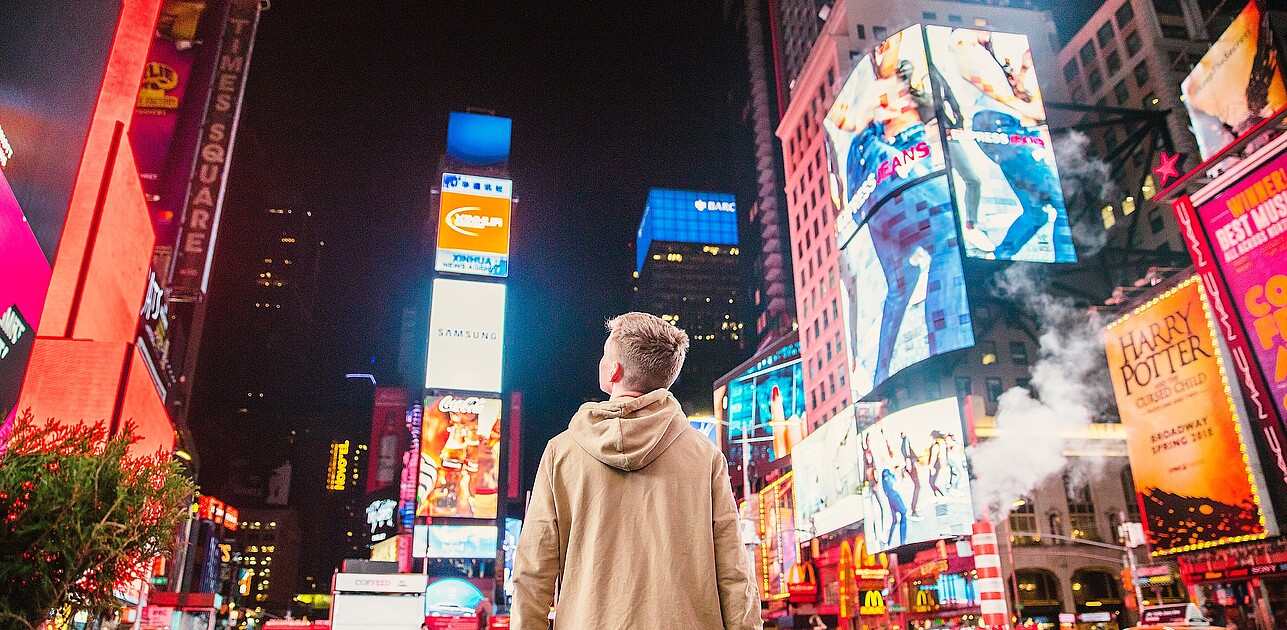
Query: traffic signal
<point x="1128" y="590"/>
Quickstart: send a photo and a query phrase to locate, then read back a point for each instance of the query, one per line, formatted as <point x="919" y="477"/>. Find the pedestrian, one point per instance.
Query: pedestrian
<point x="632" y="517"/>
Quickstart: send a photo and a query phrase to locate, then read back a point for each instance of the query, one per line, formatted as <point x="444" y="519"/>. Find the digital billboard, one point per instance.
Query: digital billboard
<point x="765" y="399"/>
<point x="778" y="529"/>
<point x="881" y="132"/>
<point x="459" y="457"/>
<point x="1008" y="197"/>
<point x="473" y="225"/>
<point x="1236" y="84"/>
<point x="478" y="139"/>
<point x="828" y="488"/>
<point x="1188" y="455"/>
<point x="466" y="336"/>
<point x="686" y="216"/>
<point x="452" y="597"/>
<point x="454" y="541"/>
<point x="916" y="486"/>
<point x="904" y="288"/>
<point x="1247" y="228"/>
<point x="513" y="529"/>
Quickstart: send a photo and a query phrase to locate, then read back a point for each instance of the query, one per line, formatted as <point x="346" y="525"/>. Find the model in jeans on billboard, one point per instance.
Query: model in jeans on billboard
<point x="632" y="520"/>
<point x="1008" y="103"/>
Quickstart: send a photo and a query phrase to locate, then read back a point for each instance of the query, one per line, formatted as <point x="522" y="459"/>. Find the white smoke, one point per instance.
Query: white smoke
<point x="1069" y="391"/>
<point x="1087" y="182"/>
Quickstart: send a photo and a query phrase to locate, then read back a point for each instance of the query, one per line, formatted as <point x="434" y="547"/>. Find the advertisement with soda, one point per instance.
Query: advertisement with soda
<point x="459" y="457"/>
<point x="1247" y="227"/>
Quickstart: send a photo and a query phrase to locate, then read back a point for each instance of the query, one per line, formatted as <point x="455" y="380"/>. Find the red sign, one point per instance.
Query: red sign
<point x="500" y="622"/>
<point x="468" y="622"/>
<point x="387" y="441"/>
<point x="802" y="586"/>
<point x="231" y="518"/>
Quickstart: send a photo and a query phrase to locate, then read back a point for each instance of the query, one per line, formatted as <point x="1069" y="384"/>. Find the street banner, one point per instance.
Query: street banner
<point x="1193" y="469"/>
<point x="194" y="249"/>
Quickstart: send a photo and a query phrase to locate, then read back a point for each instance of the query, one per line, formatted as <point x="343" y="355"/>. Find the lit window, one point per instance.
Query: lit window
<point x="1110" y="219"/>
<point x="1128" y="206"/>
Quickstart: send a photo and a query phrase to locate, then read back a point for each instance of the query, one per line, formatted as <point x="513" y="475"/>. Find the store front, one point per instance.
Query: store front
<point x="938" y="590"/>
<point x="1040" y="605"/>
<point x="1242" y="585"/>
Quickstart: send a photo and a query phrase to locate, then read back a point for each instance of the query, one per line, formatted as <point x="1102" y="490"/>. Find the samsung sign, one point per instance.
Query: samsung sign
<point x="466" y="336"/>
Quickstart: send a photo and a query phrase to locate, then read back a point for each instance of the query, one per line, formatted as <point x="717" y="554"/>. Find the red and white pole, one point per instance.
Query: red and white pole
<point x="990" y="586"/>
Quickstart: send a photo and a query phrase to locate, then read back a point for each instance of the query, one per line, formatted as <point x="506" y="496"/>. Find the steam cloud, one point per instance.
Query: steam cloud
<point x="1087" y="182"/>
<point x="1069" y="390"/>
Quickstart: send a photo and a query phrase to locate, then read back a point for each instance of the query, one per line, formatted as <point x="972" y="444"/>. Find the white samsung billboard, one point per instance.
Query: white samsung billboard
<point x="466" y="336"/>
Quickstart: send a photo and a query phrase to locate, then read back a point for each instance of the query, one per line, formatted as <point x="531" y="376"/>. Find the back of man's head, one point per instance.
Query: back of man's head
<point x="650" y="350"/>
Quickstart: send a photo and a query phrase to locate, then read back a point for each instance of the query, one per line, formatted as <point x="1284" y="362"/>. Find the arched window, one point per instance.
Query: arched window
<point x="1038" y="588"/>
<point x="1097" y="589"/>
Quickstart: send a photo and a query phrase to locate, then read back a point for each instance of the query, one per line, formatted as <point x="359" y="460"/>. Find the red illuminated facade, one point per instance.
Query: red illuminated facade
<point x="85" y="365"/>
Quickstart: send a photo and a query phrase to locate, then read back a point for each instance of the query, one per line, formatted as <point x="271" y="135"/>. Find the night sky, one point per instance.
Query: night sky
<point x="345" y="115"/>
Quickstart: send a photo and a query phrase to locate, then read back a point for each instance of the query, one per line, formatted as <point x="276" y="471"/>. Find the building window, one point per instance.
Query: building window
<point x="994" y="389"/>
<point x="879" y="32"/>
<point x="1038" y="588"/>
<point x="1095" y="590"/>
<point x="1019" y="352"/>
<point x="1133" y="43"/>
<point x="1105" y="35"/>
<point x="1023" y="518"/>
<point x="1088" y="54"/>
<point x="1124" y="15"/>
<point x="1121" y="92"/>
<point x="1113" y="62"/>
<point x="1174" y="31"/>
<point x="1078" y="95"/>
<point x="1141" y="73"/>
<point x="1110" y="219"/>
<point x="1155" y="221"/>
<point x="1094" y="80"/>
<point x="988" y="352"/>
<point x="963" y="386"/>
<point x="1081" y="510"/>
<point x="954" y="19"/>
<point x="1128" y="206"/>
<point x="929" y="15"/>
<point x="862" y="32"/>
<point x="1070" y="71"/>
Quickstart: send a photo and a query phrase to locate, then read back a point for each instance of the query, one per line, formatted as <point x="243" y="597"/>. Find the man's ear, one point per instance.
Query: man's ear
<point x="618" y="373"/>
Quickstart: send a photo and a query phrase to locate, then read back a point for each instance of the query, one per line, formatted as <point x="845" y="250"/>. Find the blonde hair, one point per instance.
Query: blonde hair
<point x="650" y="349"/>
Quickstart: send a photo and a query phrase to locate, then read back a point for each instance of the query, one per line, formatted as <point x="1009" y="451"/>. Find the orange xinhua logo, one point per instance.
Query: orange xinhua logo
<point x="474" y="223"/>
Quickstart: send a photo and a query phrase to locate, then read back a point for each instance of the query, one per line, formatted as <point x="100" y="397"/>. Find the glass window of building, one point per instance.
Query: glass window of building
<point x="1081" y="509"/>
<point x="1133" y="43"/>
<point x="994" y="389"/>
<point x="1105" y="35"/>
<point x="1019" y="352"/>
<point x="1113" y="62"/>
<point x="929" y="15"/>
<point x="1094" y="80"/>
<point x="879" y="32"/>
<point x="1070" y="70"/>
<point x="1097" y="589"/>
<point x="954" y="19"/>
<point x="1110" y="219"/>
<point x="1168" y="7"/>
<point x="1023" y="518"/>
<point x="1141" y="73"/>
<point x="1155" y="221"/>
<point x="1088" y="54"/>
<point x="862" y="31"/>
<point x="1124" y="15"/>
<point x="1038" y="588"/>
<point x="1121" y="92"/>
<point x="988" y="352"/>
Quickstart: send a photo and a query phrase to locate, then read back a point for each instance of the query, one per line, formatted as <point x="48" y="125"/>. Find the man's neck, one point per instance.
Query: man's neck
<point x="622" y="392"/>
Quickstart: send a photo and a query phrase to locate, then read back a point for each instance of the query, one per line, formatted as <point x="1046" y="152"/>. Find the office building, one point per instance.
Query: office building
<point x="268" y="567"/>
<point x="689" y="272"/>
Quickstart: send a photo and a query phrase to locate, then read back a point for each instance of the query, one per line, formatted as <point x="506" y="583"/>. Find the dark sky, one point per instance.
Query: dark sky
<point x="345" y="115"/>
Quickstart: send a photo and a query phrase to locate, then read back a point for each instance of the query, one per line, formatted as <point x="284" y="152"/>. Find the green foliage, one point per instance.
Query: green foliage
<point x="79" y="515"/>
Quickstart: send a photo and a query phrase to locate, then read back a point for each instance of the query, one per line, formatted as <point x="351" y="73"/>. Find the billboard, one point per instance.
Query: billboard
<point x="452" y="597"/>
<point x="466" y="336"/>
<point x="904" y="297"/>
<point x="881" y="132"/>
<point x="22" y="297"/>
<point x="1188" y="455"/>
<point x="388" y="421"/>
<point x="454" y="541"/>
<point x="686" y="216"/>
<point x="478" y="139"/>
<point x="1247" y="227"/>
<point x="473" y="225"/>
<point x="828" y="485"/>
<point x="459" y="457"/>
<point x="765" y="399"/>
<point x="1008" y="198"/>
<point x="777" y="528"/>
<point x="513" y="529"/>
<point x="1236" y="84"/>
<point x="916" y="487"/>
<point x="409" y="480"/>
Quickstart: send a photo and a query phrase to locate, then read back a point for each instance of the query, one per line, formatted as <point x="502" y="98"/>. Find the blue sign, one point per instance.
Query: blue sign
<point x="686" y="216"/>
<point x="478" y="139"/>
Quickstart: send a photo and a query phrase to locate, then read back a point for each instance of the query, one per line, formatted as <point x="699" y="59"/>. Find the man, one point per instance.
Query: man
<point x="632" y="519"/>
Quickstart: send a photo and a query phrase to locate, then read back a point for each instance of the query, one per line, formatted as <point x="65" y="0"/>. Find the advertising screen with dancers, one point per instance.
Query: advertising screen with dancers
<point x="915" y="484"/>
<point x="1008" y="198"/>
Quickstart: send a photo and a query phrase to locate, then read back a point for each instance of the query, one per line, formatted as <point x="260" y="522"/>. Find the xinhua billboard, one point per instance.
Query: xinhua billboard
<point x="466" y="336"/>
<point x="473" y="225"/>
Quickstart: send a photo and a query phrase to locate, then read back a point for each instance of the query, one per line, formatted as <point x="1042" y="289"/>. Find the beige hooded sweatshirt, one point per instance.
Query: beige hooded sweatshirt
<point x="633" y="516"/>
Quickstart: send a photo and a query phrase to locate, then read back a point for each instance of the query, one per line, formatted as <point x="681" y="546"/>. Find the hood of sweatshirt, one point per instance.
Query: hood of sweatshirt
<point x="629" y="433"/>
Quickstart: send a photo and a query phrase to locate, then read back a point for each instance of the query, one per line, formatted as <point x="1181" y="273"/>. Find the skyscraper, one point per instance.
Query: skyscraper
<point x="689" y="272"/>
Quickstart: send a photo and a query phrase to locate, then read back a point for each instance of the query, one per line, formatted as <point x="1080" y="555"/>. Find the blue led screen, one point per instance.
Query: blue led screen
<point x="478" y="139"/>
<point x="686" y="216"/>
